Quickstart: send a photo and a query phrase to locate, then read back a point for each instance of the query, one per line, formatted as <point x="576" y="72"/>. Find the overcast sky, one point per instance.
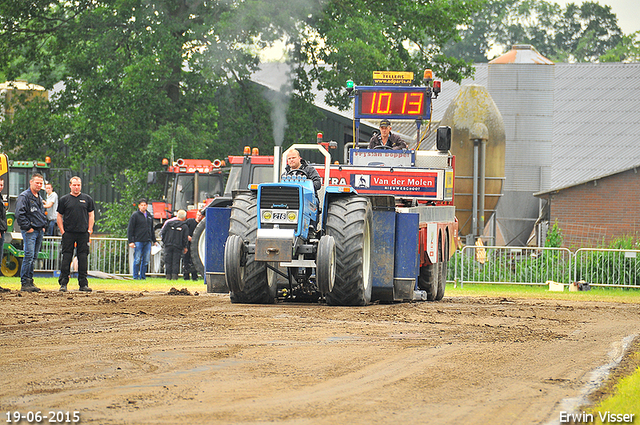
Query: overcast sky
<point x="627" y="11"/>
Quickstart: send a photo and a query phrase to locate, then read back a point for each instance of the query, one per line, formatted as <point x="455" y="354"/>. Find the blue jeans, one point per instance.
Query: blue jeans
<point x="141" y="256"/>
<point x="32" y="242"/>
<point x="51" y="228"/>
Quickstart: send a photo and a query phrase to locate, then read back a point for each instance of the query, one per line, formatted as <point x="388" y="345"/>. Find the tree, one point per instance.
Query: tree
<point x="628" y="50"/>
<point x="356" y="37"/>
<point x="145" y="79"/>
<point x="575" y="33"/>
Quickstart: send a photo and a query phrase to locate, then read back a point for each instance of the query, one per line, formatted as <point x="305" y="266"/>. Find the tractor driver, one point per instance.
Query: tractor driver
<point x="386" y="139"/>
<point x="294" y="162"/>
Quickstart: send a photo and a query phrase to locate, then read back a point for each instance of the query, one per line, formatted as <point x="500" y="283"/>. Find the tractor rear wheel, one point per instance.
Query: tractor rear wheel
<point x="198" y="246"/>
<point x="428" y="280"/>
<point x="258" y="282"/>
<point x="349" y="221"/>
<point x="442" y="279"/>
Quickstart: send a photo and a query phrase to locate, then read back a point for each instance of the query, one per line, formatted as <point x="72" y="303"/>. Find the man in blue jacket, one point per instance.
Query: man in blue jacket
<point x="141" y="236"/>
<point x="32" y="221"/>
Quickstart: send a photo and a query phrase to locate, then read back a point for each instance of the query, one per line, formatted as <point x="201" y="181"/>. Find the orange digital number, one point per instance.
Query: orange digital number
<point x="415" y="103"/>
<point x="386" y="109"/>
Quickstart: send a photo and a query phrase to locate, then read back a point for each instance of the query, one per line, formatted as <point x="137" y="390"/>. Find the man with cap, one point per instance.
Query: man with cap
<point x="387" y="139"/>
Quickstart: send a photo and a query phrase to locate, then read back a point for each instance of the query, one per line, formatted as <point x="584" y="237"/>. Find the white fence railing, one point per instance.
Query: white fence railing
<point x="536" y="266"/>
<point x="108" y="255"/>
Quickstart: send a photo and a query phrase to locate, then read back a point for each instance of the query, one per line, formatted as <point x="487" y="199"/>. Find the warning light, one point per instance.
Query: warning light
<point x="428" y="75"/>
<point x="165" y="161"/>
<point x="47" y="159"/>
<point x="350" y="86"/>
<point x="319" y="138"/>
<point x="255" y="151"/>
<point x="247" y="150"/>
<point x="437" y="87"/>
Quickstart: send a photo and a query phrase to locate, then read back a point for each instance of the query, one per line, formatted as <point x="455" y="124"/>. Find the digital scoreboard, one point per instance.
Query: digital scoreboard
<point x="393" y="102"/>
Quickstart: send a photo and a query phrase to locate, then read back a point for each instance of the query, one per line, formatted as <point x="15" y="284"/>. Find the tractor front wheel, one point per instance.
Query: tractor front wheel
<point x="258" y="283"/>
<point x="234" y="260"/>
<point x="326" y="264"/>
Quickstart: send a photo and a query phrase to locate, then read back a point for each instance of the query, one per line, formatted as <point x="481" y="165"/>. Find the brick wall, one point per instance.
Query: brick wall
<point x="593" y="213"/>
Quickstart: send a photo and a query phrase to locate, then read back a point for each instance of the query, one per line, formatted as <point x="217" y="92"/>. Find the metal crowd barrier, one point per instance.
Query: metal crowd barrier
<point x="107" y="255"/>
<point x="536" y="266"/>
<point x="608" y="267"/>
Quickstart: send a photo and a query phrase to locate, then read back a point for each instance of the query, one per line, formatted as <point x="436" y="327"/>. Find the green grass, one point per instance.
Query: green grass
<point x="151" y="284"/>
<point x="540" y="291"/>
<point x="624" y="399"/>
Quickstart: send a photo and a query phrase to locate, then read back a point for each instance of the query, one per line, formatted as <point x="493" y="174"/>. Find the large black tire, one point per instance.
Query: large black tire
<point x="442" y="278"/>
<point x="234" y="262"/>
<point x="349" y="221"/>
<point x="428" y="280"/>
<point x="259" y="282"/>
<point x="326" y="264"/>
<point x="198" y="246"/>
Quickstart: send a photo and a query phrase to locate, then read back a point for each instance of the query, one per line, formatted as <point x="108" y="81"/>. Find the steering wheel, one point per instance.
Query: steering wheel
<point x="382" y="147"/>
<point x="297" y="172"/>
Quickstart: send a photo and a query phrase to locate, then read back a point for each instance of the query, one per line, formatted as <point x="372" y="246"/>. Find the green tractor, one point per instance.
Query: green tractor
<point x="16" y="175"/>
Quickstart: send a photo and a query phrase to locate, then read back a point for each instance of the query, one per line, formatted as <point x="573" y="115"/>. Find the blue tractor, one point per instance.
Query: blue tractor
<point x="286" y="242"/>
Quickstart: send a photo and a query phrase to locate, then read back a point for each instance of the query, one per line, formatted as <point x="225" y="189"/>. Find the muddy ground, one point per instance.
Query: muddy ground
<point x="153" y="358"/>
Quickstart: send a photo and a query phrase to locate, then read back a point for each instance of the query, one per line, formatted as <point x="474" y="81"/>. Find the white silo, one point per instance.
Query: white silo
<point x="521" y="83"/>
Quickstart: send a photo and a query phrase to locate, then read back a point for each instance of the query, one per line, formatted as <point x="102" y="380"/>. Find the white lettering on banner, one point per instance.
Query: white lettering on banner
<point x="401" y="181"/>
<point x="338" y="181"/>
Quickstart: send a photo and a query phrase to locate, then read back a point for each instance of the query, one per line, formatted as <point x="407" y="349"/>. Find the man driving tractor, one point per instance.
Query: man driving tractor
<point x="385" y="139"/>
<point x="294" y="162"/>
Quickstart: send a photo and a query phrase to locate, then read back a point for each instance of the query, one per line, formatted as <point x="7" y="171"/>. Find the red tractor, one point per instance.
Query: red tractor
<point x="189" y="184"/>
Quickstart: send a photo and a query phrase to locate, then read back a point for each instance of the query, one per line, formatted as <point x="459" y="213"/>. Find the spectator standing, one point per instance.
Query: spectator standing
<point x="141" y="236"/>
<point x="188" y="268"/>
<point x="32" y="221"/>
<point x="75" y="220"/>
<point x="3" y="224"/>
<point x="175" y="237"/>
<point x="51" y="207"/>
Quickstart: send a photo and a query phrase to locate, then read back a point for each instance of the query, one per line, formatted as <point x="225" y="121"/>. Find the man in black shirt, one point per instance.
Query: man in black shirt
<point x="75" y="221"/>
<point x="175" y="237"/>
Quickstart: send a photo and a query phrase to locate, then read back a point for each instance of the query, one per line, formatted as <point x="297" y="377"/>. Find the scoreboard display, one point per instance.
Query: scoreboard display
<point x="393" y="102"/>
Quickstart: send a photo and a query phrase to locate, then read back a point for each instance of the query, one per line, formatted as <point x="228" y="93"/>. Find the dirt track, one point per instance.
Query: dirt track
<point x="126" y="358"/>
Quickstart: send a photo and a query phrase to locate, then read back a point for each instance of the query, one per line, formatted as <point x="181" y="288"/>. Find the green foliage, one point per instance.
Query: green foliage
<point x="148" y="79"/>
<point x="116" y="215"/>
<point x="554" y="237"/>
<point x="360" y="36"/>
<point x="628" y="50"/>
<point x="576" y="33"/>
